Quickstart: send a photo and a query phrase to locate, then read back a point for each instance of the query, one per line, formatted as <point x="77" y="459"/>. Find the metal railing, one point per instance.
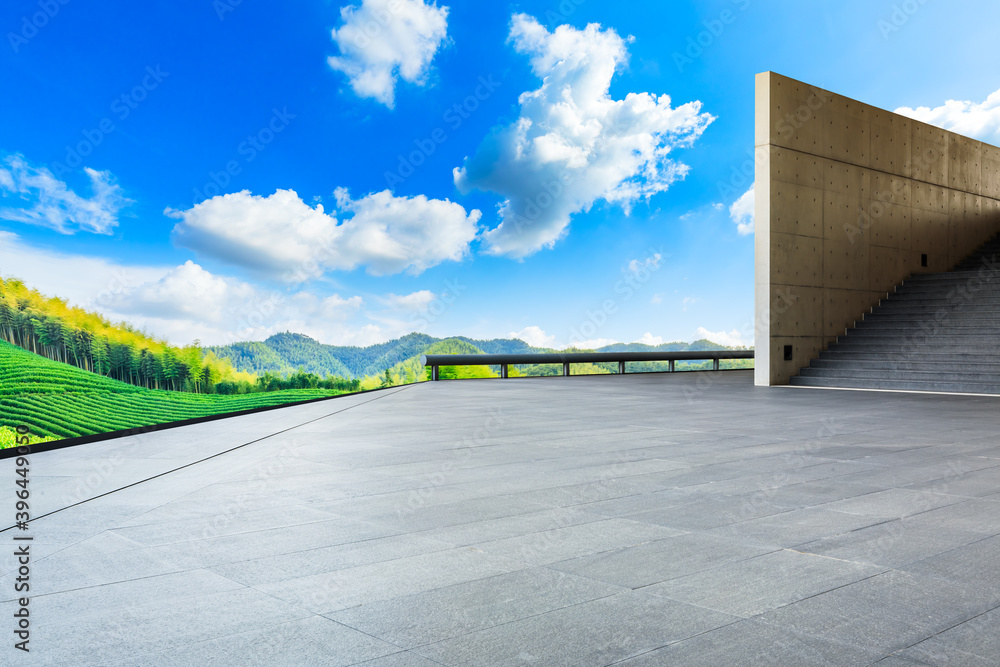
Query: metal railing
<point x="435" y="361"/>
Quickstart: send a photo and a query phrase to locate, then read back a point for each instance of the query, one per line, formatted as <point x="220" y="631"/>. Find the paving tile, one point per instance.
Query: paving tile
<point x="711" y="512"/>
<point x="593" y="633"/>
<point x="659" y="560"/>
<point x="210" y="551"/>
<point x="273" y="569"/>
<point x="976" y="483"/>
<point x="102" y="559"/>
<point x="974" y="564"/>
<point x="310" y="641"/>
<point x="796" y="527"/>
<point x="562" y="543"/>
<point x="755" y="585"/>
<point x="886" y="613"/>
<point x="512" y="526"/>
<point x="894" y="503"/>
<point x="155" y="627"/>
<point x="974" y="642"/>
<point x="751" y="644"/>
<point x="339" y="589"/>
<point x="448" y="612"/>
<point x="891" y="544"/>
<point x="402" y="659"/>
<point x="979" y="515"/>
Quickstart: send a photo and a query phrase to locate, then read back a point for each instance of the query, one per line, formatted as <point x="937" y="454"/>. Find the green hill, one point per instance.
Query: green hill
<point x="57" y="399"/>
<point x="284" y="353"/>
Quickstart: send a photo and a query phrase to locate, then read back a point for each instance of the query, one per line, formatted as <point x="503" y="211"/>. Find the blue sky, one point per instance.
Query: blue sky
<point x="565" y="171"/>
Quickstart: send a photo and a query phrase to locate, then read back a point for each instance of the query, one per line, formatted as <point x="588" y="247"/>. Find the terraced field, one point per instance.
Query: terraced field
<point x="55" y="399"/>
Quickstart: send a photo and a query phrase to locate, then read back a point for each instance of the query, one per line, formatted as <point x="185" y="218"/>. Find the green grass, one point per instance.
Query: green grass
<point x="62" y="401"/>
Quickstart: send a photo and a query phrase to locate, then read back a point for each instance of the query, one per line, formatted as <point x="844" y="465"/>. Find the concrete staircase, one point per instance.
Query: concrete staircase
<point x="936" y="332"/>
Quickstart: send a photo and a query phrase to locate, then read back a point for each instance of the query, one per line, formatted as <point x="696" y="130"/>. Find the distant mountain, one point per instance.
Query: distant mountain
<point x="285" y="353"/>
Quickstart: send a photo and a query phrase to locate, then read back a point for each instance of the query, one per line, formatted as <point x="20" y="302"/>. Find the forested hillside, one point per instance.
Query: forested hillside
<point x="56" y="399"/>
<point x="286" y="352"/>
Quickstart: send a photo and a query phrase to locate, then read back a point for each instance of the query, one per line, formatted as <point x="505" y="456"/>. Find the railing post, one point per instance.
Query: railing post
<point x="671" y="366"/>
<point x="565" y="369"/>
<point x="715" y="364"/>
<point x="621" y="368"/>
<point x="434" y="373"/>
<point x="503" y="370"/>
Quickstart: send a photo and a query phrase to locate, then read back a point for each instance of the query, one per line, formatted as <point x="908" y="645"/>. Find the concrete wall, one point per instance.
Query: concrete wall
<point x="848" y="198"/>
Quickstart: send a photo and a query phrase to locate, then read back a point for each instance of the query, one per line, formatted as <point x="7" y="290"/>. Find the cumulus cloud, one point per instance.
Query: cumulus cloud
<point x="573" y="144"/>
<point x="641" y="266"/>
<point x="384" y="40"/>
<point x="282" y="236"/>
<point x="650" y="339"/>
<point x="742" y="212"/>
<point x="188" y="291"/>
<point x="181" y="303"/>
<point x="415" y="302"/>
<point x="731" y="339"/>
<point x="980" y="120"/>
<point x="88" y="282"/>
<point x="33" y="195"/>
<point x="534" y="336"/>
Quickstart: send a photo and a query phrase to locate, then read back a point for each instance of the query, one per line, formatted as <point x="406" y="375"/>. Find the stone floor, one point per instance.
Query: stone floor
<point x="683" y="519"/>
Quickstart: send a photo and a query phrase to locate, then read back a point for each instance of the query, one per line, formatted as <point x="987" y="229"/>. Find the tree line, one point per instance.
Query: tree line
<point x="51" y="328"/>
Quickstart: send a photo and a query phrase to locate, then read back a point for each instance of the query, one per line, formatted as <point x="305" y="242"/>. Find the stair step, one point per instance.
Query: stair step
<point x="899" y="375"/>
<point x="960" y="387"/>
<point x="895" y="364"/>
<point x="896" y="354"/>
<point x="916" y="337"/>
<point x="933" y="332"/>
<point x="865" y="330"/>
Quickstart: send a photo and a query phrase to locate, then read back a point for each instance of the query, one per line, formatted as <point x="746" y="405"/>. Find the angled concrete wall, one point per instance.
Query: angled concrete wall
<point x="849" y="198"/>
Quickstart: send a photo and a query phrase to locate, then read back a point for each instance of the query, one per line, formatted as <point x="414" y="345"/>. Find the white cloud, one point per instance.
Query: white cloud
<point x="972" y="119"/>
<point x="639" y="266"/>
<point x="656" y="300"/>
<point x="33" y="195"/>
<point x="687" y="301"/>
<point x="185" y="302"/>
<point x="83" y="281"/>
<point x="383" y="40"/>
<point x="417" y="301"/>
<point x="742" y="212"/>
<point x="534" y="336"/>
<point x="731" y="339"/>
<point x="573" y="145"/>
<point x="186" y="292"/>
<point x="282" y="236"/>
<point x="650" y="339"/>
